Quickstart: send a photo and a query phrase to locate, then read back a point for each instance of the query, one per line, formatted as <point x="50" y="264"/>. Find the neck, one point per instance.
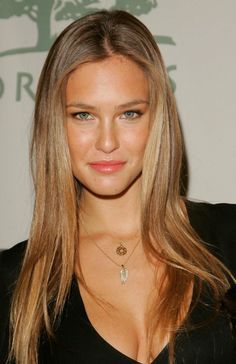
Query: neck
<point x="114" y="215"/>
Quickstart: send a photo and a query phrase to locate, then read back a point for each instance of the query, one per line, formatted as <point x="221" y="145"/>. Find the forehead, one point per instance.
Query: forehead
<point x="115" y="75"/>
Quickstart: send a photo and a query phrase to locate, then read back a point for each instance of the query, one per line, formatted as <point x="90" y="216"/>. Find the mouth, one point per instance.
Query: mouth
<point x="107" y="166"/>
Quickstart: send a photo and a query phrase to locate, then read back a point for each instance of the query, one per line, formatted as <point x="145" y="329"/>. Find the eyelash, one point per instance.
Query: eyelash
<point x="76" y="114"/>
<point x="137" y="112"/>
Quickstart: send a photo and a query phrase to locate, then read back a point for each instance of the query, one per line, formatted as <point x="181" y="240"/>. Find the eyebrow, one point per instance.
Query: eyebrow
<point x="91" y="107"/>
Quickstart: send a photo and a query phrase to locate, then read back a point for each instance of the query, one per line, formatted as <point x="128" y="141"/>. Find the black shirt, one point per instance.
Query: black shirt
<point x="77" y="341"/>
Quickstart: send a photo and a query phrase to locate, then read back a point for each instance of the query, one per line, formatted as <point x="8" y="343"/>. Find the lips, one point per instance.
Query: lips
<point x="107" y="166"/>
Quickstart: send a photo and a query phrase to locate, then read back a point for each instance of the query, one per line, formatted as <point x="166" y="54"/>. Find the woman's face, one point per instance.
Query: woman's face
<point x="108" y="124"/>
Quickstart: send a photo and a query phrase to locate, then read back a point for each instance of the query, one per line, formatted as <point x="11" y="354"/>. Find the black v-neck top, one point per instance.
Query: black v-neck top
<point x="77" y="341"/>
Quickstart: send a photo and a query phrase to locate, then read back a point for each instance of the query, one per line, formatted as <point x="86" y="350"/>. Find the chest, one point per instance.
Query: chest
<point x="78" y="341"/>
<point x="120" y="313"/>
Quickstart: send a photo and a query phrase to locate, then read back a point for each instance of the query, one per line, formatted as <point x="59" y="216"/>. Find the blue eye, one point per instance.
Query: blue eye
<point x="83" y="115"/>
<point x="130" y="114"/>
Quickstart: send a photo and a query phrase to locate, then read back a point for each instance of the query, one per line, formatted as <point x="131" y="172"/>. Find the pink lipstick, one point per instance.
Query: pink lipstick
<point x="107" y="166"/>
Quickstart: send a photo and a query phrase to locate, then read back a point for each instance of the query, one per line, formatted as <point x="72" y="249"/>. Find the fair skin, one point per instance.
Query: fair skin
<point x="108" y="119"/>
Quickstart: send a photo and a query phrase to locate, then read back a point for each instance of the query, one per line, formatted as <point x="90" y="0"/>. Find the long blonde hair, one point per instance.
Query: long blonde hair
<point x="49" y="260"/>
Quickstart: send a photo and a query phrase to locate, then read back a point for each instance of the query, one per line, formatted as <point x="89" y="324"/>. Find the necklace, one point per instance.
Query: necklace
<point x="121" y="250"/>
<point x="124" y="273"/>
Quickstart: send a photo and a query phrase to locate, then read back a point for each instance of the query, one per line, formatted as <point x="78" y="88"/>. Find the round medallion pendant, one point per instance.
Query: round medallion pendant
<point x="121" y="250"/>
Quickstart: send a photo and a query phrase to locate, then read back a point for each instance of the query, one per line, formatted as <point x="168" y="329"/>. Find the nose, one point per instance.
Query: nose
<point x="107" y="137"/>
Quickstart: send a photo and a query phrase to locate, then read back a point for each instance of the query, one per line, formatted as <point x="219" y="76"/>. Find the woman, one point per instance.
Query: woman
<point x="118" y="268"/>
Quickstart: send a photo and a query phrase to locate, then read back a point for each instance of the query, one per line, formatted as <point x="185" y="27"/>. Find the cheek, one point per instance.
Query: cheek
<point x="137" y="141"/>
<point x="78" y="141"/>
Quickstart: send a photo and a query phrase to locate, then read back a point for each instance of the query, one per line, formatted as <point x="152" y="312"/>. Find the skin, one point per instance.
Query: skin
<point x="108" y="134"/>
<point x="106" y="130"/>
<point x="105" y="121"/>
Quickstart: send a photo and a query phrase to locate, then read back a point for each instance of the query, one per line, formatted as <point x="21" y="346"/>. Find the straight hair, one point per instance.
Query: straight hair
<point x="167" y="235"/>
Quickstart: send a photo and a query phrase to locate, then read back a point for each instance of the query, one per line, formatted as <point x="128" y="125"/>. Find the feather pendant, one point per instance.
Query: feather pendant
<point x="123" y="274"/>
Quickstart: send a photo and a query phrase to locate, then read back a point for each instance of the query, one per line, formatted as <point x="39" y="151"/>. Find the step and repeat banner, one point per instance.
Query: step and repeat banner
<point x="198" y="42"/>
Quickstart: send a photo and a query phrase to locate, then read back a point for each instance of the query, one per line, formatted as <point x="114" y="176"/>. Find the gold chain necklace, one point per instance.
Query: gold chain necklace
<point x="124" y="273"/>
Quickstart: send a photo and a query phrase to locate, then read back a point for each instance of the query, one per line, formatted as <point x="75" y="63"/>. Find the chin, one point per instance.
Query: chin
<point x="112" y="189"/>
<point x="106" y="192"/>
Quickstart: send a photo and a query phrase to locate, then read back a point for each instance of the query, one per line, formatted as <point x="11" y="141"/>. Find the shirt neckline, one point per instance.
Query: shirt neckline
<point x="163" y="354"/>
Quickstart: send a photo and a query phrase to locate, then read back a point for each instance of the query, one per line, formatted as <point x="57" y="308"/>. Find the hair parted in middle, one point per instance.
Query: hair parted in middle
<point x="48" y="266"/>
